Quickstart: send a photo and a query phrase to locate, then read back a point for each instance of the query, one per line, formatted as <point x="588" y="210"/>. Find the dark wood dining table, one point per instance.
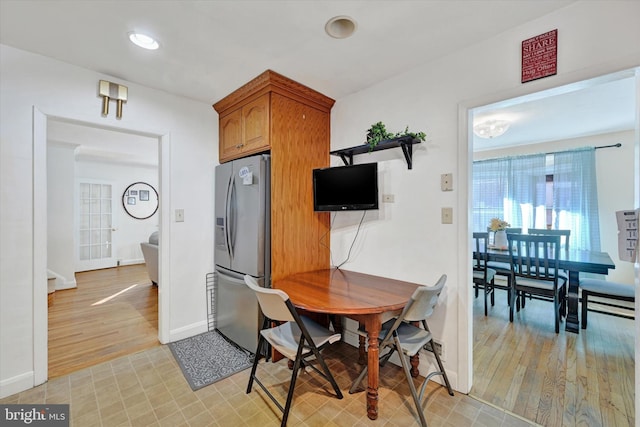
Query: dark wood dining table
<point x="368" y="299"/>
<point x="574" y="262"/>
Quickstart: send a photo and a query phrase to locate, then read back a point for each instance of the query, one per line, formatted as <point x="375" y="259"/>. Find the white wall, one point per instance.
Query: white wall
<point x="189" y="152"/>
<point x="60" y="192"/>
<point x="407" y="240"/>
<point x="129" y="231"/>
<point x="614" y="170"/>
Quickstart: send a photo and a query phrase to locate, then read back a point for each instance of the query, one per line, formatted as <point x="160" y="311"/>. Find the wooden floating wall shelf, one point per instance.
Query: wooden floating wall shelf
<point x="404" y="142"/>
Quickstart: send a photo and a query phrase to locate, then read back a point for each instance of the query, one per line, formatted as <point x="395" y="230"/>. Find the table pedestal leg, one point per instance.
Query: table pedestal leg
<point x="362" y="354"/>
<point x="373" y="326"/>
<point x="415" y="362"/>
<point x="573" y="321"/>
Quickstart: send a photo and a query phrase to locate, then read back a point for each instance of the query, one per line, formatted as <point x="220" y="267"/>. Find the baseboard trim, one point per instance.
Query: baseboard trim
<point x="16" y="384"/>
<point x="187" y="331"/>
<point x="123" y="262"/>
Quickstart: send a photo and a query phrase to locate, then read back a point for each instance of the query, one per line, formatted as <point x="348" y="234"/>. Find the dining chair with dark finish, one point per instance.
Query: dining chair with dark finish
<point x="403" y="336"/>
<point x="564" y="234"/>
<point x="564" y="244"/>
<point x="504" y="268"/>
<point x="483" y="277"/>
<point x="535" y="261"/>
<point x="296" y="337"/>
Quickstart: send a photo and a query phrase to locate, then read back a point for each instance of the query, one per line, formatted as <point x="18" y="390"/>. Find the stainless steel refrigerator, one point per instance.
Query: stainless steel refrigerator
<point x="242" y="245"/>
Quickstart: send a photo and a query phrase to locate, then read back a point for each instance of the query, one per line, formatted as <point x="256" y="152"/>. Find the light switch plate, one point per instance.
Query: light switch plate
<point x="447" y="215"/>
<point x="179" y="215"/>
<point x="446" y="182"/>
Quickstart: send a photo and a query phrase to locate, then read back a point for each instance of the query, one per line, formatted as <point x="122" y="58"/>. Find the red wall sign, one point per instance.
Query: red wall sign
<point x="540" y="56"/>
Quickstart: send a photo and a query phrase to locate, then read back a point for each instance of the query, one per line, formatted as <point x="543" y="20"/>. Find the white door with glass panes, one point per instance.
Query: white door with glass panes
<point x="95" y="226"/>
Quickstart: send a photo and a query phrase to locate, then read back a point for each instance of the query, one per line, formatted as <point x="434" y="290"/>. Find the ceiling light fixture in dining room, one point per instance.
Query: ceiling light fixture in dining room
<point x="491" y="128"/>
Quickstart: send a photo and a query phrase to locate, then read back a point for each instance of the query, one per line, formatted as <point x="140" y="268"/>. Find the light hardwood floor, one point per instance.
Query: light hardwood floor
<point x="554" y="379"/>
<point x="112" y="313"/>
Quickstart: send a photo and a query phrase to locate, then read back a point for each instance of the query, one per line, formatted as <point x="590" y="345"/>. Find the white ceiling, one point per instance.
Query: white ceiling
<point x="210" y="48"/>
<point x="599" y="106"/>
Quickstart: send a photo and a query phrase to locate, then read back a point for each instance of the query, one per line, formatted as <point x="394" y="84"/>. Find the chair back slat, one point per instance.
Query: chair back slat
<point x="534" y="256"/>
<point x="273" y="302"/>
<point x="423" y="301"/>
<point x="481" y="242"/>
<point x="564" y="234"/>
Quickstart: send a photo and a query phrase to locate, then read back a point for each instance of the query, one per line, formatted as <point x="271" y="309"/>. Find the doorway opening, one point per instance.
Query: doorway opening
<point x="524" y="367"/>
<point x="83" y="150"/>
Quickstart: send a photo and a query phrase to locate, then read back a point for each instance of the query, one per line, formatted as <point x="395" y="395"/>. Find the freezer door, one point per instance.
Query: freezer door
<point x="222" y="254"/>
<point x="247" y="219"/>
<point x="237" y="310"/>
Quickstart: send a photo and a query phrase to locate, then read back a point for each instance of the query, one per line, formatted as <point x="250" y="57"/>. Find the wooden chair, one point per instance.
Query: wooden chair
<point x="564" y="243"/>
<point x="296" y="337"/>
<point x="398" y="335"/>
<point x="504" y="268"/>
<point x="603" y="289"/>
<point x="564" y="235"/>
<point x="483" y="277"/>
<point x="535" y="268"/>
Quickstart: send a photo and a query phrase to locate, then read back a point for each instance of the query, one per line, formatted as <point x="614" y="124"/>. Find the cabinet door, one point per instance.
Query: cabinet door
<point x="255" y="119"/>
<point x="230" y="135"/>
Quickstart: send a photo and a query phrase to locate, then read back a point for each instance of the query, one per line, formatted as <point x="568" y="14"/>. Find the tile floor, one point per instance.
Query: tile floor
<point x="148" y="389"/>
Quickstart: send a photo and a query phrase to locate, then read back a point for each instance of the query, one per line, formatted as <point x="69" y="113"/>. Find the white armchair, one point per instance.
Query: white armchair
<point x="150" y="254"/>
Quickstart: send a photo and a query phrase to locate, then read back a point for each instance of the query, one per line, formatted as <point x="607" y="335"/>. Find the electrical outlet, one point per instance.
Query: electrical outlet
<point x="447" y="215"/>
<point x="388" y="198"/>
<point x="446" y="182"/>
<point x="437" y="345"/>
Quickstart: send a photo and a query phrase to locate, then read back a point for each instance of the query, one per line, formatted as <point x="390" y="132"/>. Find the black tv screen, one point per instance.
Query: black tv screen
<point x="346" y="188"/>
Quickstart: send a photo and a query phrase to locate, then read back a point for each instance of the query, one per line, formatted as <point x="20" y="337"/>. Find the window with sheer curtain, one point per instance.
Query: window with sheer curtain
<point x="515" y="189"/>
<point x="575" y="197"/>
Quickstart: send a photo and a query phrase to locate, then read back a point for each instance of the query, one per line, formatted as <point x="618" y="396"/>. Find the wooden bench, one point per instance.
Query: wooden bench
<point x="604" y="289"/>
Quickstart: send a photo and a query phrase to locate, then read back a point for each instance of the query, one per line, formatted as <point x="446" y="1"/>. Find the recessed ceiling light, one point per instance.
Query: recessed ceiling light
<point x="144" y="41"/>
<point x="340" y="27"/>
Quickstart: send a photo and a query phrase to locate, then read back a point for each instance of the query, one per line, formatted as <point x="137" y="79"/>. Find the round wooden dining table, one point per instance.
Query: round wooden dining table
<point x="366" y="298"/>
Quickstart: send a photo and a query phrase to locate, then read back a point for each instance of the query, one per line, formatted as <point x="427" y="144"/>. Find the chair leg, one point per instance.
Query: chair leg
<point x="358" y="380"/>
<point x="585" y="304"/>
<point x="512" y="303"/>
<point x="292" y="384"/>
<point x="556" y="306"/>
<point x="256" y="358"/>
<point x="412" y="387"/>
<point x="486" y="290"/>
<point x="493" y="294"/>
<point x="444" y="375"/>
<point x="327" y="373"/>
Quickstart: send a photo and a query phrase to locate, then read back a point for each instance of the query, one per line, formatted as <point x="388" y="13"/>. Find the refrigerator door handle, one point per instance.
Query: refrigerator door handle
<point x="229" y="214"/>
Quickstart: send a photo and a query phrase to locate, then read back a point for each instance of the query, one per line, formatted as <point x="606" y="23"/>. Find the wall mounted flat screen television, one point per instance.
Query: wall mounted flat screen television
<point x="346" y="188"/>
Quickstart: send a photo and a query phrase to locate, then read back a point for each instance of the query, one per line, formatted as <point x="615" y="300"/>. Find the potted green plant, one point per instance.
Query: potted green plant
<point x="378" y="132"/>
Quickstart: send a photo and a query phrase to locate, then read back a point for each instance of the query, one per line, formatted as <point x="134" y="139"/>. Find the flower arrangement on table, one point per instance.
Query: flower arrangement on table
<point x="498" y="224"/>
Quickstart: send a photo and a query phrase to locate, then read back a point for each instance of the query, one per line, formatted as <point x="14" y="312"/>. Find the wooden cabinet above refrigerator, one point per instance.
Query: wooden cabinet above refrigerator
<point x="275" y="114"/>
